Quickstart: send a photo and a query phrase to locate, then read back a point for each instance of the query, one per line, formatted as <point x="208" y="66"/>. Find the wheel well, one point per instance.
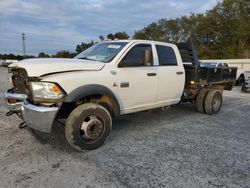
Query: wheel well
<point x="102" y="100"/>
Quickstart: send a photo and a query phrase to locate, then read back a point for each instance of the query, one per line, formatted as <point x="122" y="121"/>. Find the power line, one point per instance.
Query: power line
<point x="23" y="38"/>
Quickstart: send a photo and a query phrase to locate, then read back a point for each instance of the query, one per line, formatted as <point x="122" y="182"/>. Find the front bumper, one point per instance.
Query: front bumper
<point x="40" y="118"/>
<point x="13" y="101"/>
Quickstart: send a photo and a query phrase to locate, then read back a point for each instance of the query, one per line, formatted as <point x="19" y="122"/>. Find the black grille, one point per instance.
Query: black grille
<point x="20" y="80"/>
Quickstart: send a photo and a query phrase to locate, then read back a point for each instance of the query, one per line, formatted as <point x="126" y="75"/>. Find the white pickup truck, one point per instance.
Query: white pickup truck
<point x="246" y="85"/>
<point x="110" y="79"/>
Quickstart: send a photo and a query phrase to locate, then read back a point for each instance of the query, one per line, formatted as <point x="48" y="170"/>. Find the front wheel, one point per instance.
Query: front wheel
<point x="88" y="126"/>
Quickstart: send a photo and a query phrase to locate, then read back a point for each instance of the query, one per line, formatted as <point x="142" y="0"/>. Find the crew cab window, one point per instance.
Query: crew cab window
<point x="139" y="55"/>
<point x="166" y="55"/>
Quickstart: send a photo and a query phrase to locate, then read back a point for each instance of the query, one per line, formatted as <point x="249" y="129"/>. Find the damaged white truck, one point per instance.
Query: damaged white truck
<point x="110" y="79"/>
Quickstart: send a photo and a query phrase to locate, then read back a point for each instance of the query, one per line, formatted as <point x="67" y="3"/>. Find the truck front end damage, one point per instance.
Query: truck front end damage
<point x="14" y="101"/>
<point x="21" y="100"/>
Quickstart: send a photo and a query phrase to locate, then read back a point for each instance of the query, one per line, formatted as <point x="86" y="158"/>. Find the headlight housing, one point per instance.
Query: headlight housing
<point x="46" y="91"/>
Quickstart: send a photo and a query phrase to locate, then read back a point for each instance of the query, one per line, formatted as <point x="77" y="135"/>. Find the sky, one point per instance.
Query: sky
<point x="54" y="25"/>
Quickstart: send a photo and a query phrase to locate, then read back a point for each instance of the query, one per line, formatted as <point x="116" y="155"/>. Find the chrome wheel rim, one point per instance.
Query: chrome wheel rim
<point x="91" y="127"/>
<point x="216" y="103"/>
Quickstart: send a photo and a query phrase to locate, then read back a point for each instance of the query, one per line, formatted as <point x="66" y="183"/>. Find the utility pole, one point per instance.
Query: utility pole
<point x="23" y="38"/>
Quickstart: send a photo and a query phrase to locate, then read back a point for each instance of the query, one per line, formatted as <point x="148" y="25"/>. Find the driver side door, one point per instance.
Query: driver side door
<point x="137" y="78"/>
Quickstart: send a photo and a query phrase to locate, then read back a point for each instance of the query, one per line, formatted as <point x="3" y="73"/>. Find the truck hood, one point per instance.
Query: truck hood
<point x="44" y="66"/>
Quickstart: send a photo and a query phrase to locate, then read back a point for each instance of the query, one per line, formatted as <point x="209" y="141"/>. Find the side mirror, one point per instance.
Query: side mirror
<point x="123" y="63"/>
<point x="128" y="63"/>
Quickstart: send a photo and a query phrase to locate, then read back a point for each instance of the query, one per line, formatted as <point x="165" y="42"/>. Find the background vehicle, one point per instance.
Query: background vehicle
<point x="111" y="79"/>
<point x="213" y="64"/>
<point x="7" y="62"/>
<point x="246" y="85"/>
<point x="243" y="65"/>
<point x="225" y="72"/>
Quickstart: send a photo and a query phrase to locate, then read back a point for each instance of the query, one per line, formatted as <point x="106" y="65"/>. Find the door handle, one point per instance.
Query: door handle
<point x="179" y="72"/>
<point x="151" y="74"/>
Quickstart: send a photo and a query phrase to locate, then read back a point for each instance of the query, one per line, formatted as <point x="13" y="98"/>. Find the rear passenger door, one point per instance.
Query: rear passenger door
<point x="171" y="77"/>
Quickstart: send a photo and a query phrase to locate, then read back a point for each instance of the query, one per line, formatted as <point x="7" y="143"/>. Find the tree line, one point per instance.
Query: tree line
<point x="220" y="33"/>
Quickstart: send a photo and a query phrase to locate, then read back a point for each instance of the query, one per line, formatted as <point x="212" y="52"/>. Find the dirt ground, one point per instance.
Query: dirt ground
<point x="175" y="147"/>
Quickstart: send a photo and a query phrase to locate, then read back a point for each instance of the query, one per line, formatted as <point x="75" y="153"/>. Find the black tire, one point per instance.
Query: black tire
<point x="88" y="126"/>
<point x="243" y="88"/>
<point x="240" y="81"/>
<point x="46" y="137"/>
<point x="40" y="136"/>
<point x="200" y="100"/>
<point x="213" y="102"/>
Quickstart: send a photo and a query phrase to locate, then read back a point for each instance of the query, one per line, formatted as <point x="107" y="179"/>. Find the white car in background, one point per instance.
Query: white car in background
<point x="214" y="64"/>
<point x="240" y="76"/>
<point x="240" y="70"/>
<point x="246" y="85"/>
<point x="7" y="62"/>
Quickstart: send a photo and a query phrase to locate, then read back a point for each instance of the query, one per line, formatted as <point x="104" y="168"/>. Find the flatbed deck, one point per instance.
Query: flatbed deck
<point x="198" y="77"/>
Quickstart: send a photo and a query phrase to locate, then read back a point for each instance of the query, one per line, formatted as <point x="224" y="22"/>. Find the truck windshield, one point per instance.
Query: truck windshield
<point x="104" y="52"/>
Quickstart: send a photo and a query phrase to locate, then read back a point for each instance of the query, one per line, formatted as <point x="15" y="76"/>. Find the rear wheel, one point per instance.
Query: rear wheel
<point x="240" y="81"/>
<point x="243" y="88"/>
<point x="213" y="102"/>
<point x="200" y="100"/>
<point x="88" y="126"/>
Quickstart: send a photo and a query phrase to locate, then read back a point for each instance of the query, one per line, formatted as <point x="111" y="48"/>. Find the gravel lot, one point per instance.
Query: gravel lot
<point x="176" y="147"/>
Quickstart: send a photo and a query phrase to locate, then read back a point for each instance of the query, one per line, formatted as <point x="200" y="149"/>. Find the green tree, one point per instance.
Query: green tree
<point x="64" y="54"/>
<point x="83" y="46"/>
<point x="101" y="38"/>
<point x="140" y="34"/>
<point x="222" y="32"/>
<point x="121" y="35"/>
<point x="43" y="55"/>
<point x="110" y="36"/>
